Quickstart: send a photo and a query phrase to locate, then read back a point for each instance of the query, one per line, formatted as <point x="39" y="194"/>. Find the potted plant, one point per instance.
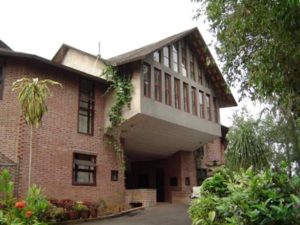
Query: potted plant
<point x="82" y="210"/>
<point x="68" y="206"/>
<point x="93" y="208"/>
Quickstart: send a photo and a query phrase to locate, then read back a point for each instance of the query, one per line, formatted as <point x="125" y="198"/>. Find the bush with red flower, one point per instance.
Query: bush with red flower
<point x="30" y="211"/>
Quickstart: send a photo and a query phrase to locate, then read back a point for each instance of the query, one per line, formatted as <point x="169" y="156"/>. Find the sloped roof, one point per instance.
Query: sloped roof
<point x="62" y="51"/>
<point x="4" y="46"/>
<point x="39" y="59"/>
<point x="195" y="38"/>
<point x="141" y="53"/>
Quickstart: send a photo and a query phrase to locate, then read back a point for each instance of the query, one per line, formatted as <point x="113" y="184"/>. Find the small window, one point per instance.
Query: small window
<point x="201" y="105"/>
<point x="208" y="107"/>
<point x="86" y="107"/>
<point x="84" y="169"/>
<point x="1" y="81"/>
<point x="167" y="58"/>
<point x="175" y="57"/>
<point x="177" y="93"/>
<point x="173" y="181"/>
<point x="187" y="181"/>
<point x="157" y="56"/>
<point x="168" y="90"/>
<point x="157" y="83"/>
<point x="194" y="101"/>
<point x="114" y="175"/>
<point x="186" y="103"/>
<point x="147" y="80"/>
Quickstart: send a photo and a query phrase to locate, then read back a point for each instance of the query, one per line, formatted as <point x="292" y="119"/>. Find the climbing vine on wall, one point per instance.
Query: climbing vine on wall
<point x="123" y="89"/>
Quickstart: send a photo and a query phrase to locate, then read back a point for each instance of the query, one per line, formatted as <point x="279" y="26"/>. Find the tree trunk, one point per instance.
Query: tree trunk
<point x="30" y="156"/>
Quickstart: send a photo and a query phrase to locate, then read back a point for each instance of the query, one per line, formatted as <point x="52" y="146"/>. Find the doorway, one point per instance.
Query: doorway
<point x="160" y="185"/>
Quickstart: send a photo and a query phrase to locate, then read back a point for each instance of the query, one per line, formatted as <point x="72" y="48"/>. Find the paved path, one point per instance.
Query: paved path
<point x="162" y="214"/>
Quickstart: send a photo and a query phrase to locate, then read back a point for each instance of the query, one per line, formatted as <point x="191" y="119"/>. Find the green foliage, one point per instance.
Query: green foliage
<point x="248" y="198"/>
<point x="258" y="44"/>
<point x="32" y="96"/>
<point x="123" y="89"/>
<point x="246" y="146"/>
<point x="30" y="211"/>
<point x="6" y="189"/>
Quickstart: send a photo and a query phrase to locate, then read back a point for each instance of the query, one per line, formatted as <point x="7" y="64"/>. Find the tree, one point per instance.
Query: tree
<point x="246" y="146"/>
<point x="259" y="47"/>
<point x="32" y="97"/>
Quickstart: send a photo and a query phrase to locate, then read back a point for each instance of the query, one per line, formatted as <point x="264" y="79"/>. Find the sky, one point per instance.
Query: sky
<point x="40" y="27"/>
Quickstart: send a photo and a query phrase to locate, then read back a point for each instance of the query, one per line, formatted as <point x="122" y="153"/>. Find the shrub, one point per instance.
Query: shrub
<point x="30" y="211"/>
<point x="248" y="198"/>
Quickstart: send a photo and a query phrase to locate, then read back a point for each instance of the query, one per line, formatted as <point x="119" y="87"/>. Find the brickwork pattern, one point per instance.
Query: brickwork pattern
<point x="57" y="139"/>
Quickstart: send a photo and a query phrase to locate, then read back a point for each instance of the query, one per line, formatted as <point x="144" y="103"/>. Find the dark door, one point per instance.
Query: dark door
<point x="143" y="181"/>
<point x="160" y="185"/>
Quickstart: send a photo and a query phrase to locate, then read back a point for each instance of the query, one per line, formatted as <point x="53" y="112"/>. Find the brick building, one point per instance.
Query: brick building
<point x="178" y="90"/>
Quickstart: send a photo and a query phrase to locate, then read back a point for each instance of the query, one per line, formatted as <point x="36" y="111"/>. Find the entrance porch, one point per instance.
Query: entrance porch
<point x="165" y="180"/>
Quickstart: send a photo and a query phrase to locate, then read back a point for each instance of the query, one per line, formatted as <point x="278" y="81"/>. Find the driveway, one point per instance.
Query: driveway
<point x="161" y="214"/>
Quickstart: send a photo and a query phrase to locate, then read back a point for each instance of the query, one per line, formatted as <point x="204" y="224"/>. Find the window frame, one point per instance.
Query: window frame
<point x="114" y="175"/>
<point x="74" y="170"/>
<point x="158" y="52"/>
<point x="175" y="55"/>
<point x="216" y="110"/>
<point x="167" y="57"/>
<point x="168" y="89"/>
<point x="208" y="107"/>
<point x="177" y="93"/>
<point x="157" y="85"/>
<point x="184" y="71"/>
<point x="90" y="109"/>
<point x="194" y="101"/>
<point x="186" y="96"/>
<point x="192" y="66"/>
<point x="200" y="76"/>
<point x="147" y="87"/>
<point x="201" y="104"/>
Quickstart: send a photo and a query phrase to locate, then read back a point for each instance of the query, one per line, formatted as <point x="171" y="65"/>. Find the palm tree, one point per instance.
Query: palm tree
<point x="246" y="146"/>
<point x="32" y="97"/>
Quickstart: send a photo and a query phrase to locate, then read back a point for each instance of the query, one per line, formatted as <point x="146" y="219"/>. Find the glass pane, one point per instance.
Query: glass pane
<point x="166" y="52"/>
<point x="156" y="56"/>
<point x="85" y="177"/>
<point x="83" y="124"/>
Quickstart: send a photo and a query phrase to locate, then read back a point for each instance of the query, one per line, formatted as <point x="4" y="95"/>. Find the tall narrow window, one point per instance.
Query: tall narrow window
<point x="200" y="76"/>
<point x="168" y="90"/>
<point x="166" y="51"/>
<point x="216" y="115"/>
<point x="175" y="57"/>
<point x="157" y="56"/>
<point x="1" y="81"/>
<point x="201" y="105"/>
<point x="84" y="169"/>
<point x="208" y="107"/>
<point x="192" y="67"/>
<point x="86" y="107"/>
<point x="157" y="83"/>
<point x="147" y="80"/>
<point x="177" y="93"/>
<point x="194" y="101"/>
<point x="186" y="104"/>
<point x="207" y="82"/>
<point x="183" y="60"/>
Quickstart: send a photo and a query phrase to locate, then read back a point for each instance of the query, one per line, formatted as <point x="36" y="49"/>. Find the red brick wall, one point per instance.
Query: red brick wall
<point x="56" y="140"/>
